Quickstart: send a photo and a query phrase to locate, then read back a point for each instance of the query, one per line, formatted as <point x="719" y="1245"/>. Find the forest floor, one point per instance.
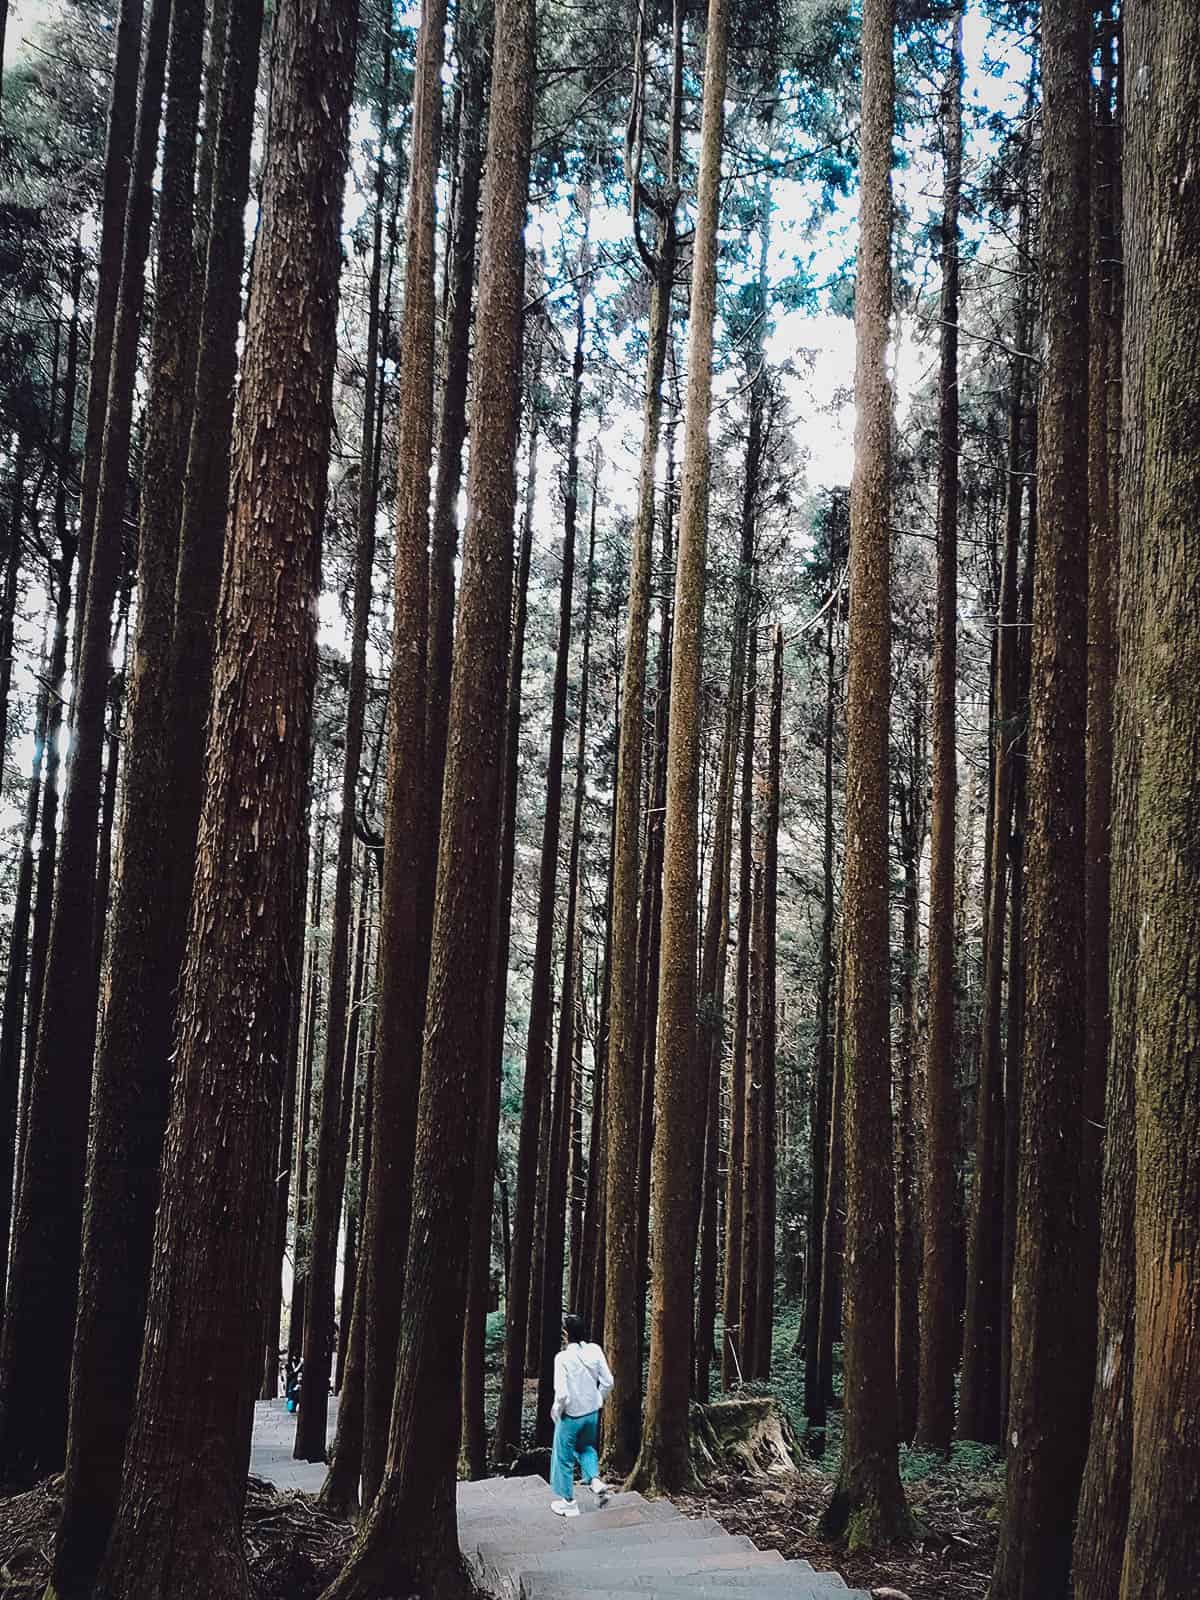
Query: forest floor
<point x="956" y="1502"/>
<point x="294" y="1550"/>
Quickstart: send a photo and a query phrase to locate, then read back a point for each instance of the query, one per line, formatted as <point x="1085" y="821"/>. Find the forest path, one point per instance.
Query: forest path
<point x="634" y="1549"/>
<point x="271" y="1448"/>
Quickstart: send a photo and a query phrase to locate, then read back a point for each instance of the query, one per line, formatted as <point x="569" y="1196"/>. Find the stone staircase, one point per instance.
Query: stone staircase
<point x="633" y="1549"/>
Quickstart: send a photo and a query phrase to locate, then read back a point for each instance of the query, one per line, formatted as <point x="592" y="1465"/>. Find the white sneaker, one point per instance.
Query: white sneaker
<point x="564" y="1508"/>
<point x="601" y="1490"/>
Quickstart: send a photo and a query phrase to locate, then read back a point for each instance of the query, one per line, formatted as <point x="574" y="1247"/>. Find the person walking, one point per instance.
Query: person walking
<point x="581" y="1382"/>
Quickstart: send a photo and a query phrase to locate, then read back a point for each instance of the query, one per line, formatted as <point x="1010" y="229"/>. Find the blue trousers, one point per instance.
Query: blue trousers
<point x="574" y="1438"/>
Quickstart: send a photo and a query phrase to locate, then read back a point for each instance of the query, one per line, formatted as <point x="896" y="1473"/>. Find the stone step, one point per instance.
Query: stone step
<point x="599" y="1569"/>
<point x="627" y="1531"/>
<point x="630" y="1549"/>
<point x="775" y="1583"/>
<point x="534" y="1513"/>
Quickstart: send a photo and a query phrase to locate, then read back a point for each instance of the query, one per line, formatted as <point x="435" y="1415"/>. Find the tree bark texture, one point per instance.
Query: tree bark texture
<point x="525" y="1272"/>
<point x="473" y="1443"/>
<point x="1053" y="1305"/>
<point x="623" y="1078"/>
<point x="410" y="1542"/>
<point x="1163" y="66"/>
<point x="980" y="1415"/>
<point x="408" y="846"/>
<point x="331" y="1150"/>
<point x="764" y="1312"/>
<point x="177" y="1534"/>
<point x="35" y="1356"/>
<point x="935" y="1402"/>
<point x="868" y="1506"/>
<point x="132" y="1075"/>
<point x="814" y="1399"/>
<point x="664" y="1460"/>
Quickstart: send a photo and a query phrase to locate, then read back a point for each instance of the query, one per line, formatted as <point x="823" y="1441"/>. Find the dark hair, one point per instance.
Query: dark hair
<point x="575" y="1328"/>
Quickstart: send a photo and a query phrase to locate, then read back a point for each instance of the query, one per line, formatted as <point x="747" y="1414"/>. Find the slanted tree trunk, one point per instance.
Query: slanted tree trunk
<point x="523" y="1332"/>
<point x="764" y="1311"/>
<point x="868" y="1505"/>
<point x="330" y="1154"/>
<point x="935" y="1401"/>
<point x="1053" y="1304"/>
<point x="410" y="1540"/>
<point x="132" y="1077"/>
<point x="664" y="1460"/>
<point x="177" y="1534"/>
<point x="35" y="1355"/>
<point x="623" y="1079"/>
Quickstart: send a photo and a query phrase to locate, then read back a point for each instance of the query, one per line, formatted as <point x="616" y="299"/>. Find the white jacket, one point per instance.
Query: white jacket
<point x="581" y="1381"/>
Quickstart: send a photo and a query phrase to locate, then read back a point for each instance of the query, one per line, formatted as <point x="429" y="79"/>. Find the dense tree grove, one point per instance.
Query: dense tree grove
<point x="599" y="641"/>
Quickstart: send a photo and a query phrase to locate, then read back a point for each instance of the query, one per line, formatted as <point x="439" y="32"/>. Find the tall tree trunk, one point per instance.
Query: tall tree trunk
<point x="736" y="1355"/>
<point x="814" y="1399"/>
<point x="518" y="1321"/>
<point x="177" y="1534"/>
<point x="352" y="1114"/>
<point x="1163" y="65"/>
<point x="868" y="1505"/>
<point x="408" y="845"/>
<point x="650" y="917"/>
<point x="664" y="1460"/>
<point x="330" y="1155"/>
<point x="714" y="959"/>
<point x="834" y="1217"/>
<point x="764" y="1311"/>
<point x="307" y="1065"/>
<point x="12" y="1018"/>
<point x="1103" y="366"/>
<point x="474" y="62"/>
<point x="1105" y="1492"/>
<point x="417" y="1495"/>
<point x="623" y="1079"/>
<point x="980" y="1415"/>
<point x="118" y="161"/>
<point x="913" y="827"/>
<point x="935" y="1401"/>
<point x="35" y="1356"/>
<point x="1053" y="1304"/>
<point x="473" y="1443"/>
<point x="132" y="1078"/>
<point x="752" y="1134"/>
<point x="556" y="1211"/>
<point x="8" y="588"/>
<point x="1014" y="1044"/>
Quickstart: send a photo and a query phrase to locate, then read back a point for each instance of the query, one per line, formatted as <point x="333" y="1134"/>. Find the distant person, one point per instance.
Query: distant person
<point x="291" y="1384"/>
<point x="581" y="1382"/>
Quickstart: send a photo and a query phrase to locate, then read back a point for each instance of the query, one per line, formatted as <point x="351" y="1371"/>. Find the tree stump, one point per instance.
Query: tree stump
<point x="751" y="1437"/>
